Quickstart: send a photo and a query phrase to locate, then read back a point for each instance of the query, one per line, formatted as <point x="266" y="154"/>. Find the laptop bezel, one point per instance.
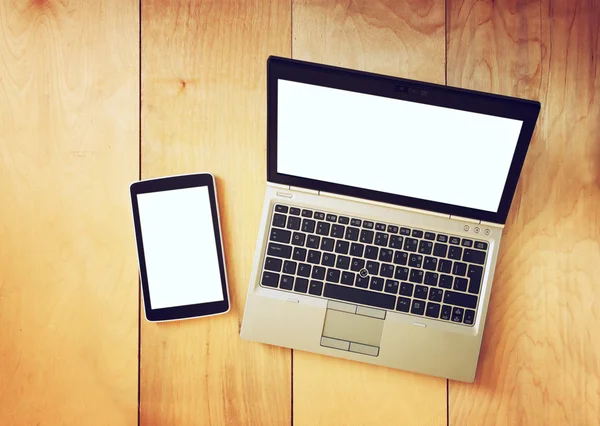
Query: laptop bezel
<point x="404" y="89"/>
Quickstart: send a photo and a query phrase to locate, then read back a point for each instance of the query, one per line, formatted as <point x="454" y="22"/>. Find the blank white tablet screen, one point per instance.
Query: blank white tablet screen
<point x="179" y="247"/>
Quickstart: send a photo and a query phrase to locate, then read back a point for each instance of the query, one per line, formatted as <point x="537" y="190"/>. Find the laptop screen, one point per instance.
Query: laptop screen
<point x="395" y="146"/>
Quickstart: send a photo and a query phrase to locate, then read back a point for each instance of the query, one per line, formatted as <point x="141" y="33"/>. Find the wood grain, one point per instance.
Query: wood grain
<point x="68" y="150"/>
<point x="540" y="362"/>
<point x="403" y="39"/>
<point x="204" y="109"/>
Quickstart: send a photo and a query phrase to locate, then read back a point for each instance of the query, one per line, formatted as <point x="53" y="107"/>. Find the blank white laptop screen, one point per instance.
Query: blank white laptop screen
<point x="179" y="247"/>
<point x="390" y="145"/>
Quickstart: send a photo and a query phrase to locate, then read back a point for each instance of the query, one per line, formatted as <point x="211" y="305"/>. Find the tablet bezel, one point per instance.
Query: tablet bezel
<point x="167" y="184"/>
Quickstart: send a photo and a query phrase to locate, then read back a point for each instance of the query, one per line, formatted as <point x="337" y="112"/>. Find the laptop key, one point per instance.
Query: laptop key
<point x="460" y="299"/>
<point x="457" y="314"/>
<point x="343" y="262"/>
<point x="323" y="228"/>
<point x="295" y="211"/>
<point x="357" y="249"/>
<point x="440" y="250"/>
<point x="279" y="250"/>
<point x="362" y="282"/>
<point x="429" y="236"/>
<point x="433" y="310"/>
<point x="313" y="241"/>
<point x="289" y="267"/>
<point x="475" y="272"/>
<point x="466" y="242"/>
<point x="316" y="288"/>
<point x="352" y="233"/>
<point x="446" y="281"/>
<point x="406" y="289"/>
<point x="304" y="270"/>
<point x="373" y="267"/>
<point x="474" y="256"/>
<point x="301" y="285"/>
<point x="454" y="240"/>
<point x="446" y="312"/>
<point x="318" y="273"/>
<point x="435" y="294"/>
<point x="355" y="222"/>
<point x="386" y="255"/>
<point x="376" y="284"/>
<point x="416" y="276"/>
<point x="371" y="252"/>
<point x="400" y="257"/>
<point x="348" y="278"/>
<point x="391" y="286"/>
<point x="281" y="209"/>
<point x="307" y="213"/>
<point x="396" y="241"/>
<point x="331" y="218"/>
<point x="460" y="284"/>
<point x="425" y="247"/>
<point x="308" y="225"/>
<point x="279" y="220"/>
<point x="380" y="227"/>
<point x="416" y="233"/>
<point x="327" y="244"/>
<point x="294" y="223"/>
<point x="299" y="254"/>
<point x="366" y="236"/>
<point x="344" y="220"/>
<point x="328" y="259"/>
<point x="404" y="231"/>
<point x="355" y="295"/>
<point x="342" y="247"/>
<point x="337" y="231"/>
<point x="430" y="263"/>
<point x="415" y="260"/>
<point x="401" y="273"/>
<point x="410" y="244"/>
<point x="357" y="264"/>
<point x="418" y="307"/>
<point x="444" y="266"/>
<point x="403" y="304"/>
<point x="280" y="235"/>
<point x="480" y="245"/>
<point x="442" y="238"/>
<point x="298" y="239"/>
<point x="381" y="239"/>
<point x="455" y="253"/>
<point x="273" y="264"/>
<point x="270" y="279"/>
<point x="287" y="282"/>
<point x="421" y="292"/>
<point x="387" y="270"/>
<point x="319" y="216"/>
<point x="314" y="257"/>
<point x="459" y="269"/>
<point x="368" y="224"/>
<point x="469" y="317"/>
<point x="431" y="278"/>
<point x="392" y="229"/>
<point x="333" y="275"/>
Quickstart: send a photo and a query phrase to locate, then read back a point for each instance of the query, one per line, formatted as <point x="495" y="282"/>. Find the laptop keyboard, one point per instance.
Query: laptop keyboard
<point x="387" y="266"/>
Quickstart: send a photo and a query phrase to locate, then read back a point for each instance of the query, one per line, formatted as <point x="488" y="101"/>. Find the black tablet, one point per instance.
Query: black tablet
<point x="180" y="249"/>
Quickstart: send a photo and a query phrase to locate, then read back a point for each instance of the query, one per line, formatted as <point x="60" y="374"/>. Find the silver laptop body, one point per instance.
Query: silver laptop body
<point x="384" y="209"/>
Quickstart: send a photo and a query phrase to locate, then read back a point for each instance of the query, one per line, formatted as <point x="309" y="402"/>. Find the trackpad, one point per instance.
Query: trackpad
<point x="353" y="327"/>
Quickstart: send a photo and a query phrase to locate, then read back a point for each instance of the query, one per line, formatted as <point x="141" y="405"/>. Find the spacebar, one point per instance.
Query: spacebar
<point x="355" y="295"/>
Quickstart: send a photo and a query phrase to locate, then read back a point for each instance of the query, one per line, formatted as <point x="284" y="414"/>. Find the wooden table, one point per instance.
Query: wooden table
<point x="75" y="131"/>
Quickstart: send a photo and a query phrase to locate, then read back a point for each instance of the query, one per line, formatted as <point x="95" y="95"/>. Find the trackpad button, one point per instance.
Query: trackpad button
<point x="353" y="328"/>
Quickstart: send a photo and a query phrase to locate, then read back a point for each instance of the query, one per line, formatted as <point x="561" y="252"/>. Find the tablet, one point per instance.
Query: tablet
<point x="179" y="245"/>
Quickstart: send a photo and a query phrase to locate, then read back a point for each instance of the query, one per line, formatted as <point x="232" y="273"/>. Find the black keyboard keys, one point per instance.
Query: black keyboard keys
<point x="403" y="304"/>
<point x="410" y="244"/>
<point x="429" y="236"/>
<point x="368" y="224"/>
<point x="314" y="257"/>
<point x="270" y="279"/>
<point x="445" y="281"/>
<point x="416" y="276"/>
<point x="304" y="270"/>
<point x="307" y="213"/>
<point x="475" y="272"/>
<point x="299" y="254"/>
<point x="380" y="227"/>
<point x="355" y="295"/>
<point x="430" y="263"/>
<point x="433" y="310"/>
<point x="289" y="267"/>
<point x="400" y="257"/>
<point x="327" y="244"/>
<point x="308" y="225"/>
<point x="396" y="241"/>
<point x="421" y="292"/>
<point x="457" y="314"/>
<point x="333" y="275"/>
<point x="344" y="220"/>
<point x="331" y="218"/>
<point x="373" y="267"/>
<point x="435" y="294"/>
<point x="401" y="273"/>
<point x="387" y="270"/>
<point x="376" y="284"/>
<point x="348" y="278"/>
<point x="404" y="231"/>
<point x="459" y="268"/>
<point x="362" y="282"/>
<point x="446" y="312"/>
<point x="418" y="307"/>
<point x="318" y="273"/>
<point x="425" y="247"/>
<point x="337" y="231"/>
<point x="294" y="223"/>
<point x="431" y="278"/>
<point x="279" y="250"/>
<point x="469" y="317"/>
<point x="357" y="264"/>
<point x="342" y="247"/>
<point x="391" y="286"/>
<point x="415" y="260"/>
<point x="455" y="253"/>
<point x="386" y="255"/>
<point x="406" y="289"/>
<point x="480" y="245"/>
<point x="281" y="209"/>
<point x="352" y="233"/>
<point x="323" y="228"/>
<point x="295" y="211"/>
<point x="355" y="222"/>
<point x="301" y="285"/>
<point x="273" y="264"/>
<point x="279" y="220"/>
<point x="454" y="240"/>
<point x="316" y="288"/>
<point x="366" y="236"/>
<point x="286" y="282"/>
<point x="474" y="256"/>
<point x="460" y="284"/>
<point x="319" y="216"/>
<point x="460" y="299"/>
<point x="343" y="262"/>
<point x="444" y="266"/>
<point x="371" y="252"/>
<point x="313" y="241"/>
<point x="328" y="259"/>
<point x="280" y="235"/>
<point x="381" y="239"/>
<point x="357" y="249"/>
<point x="440" y="250"/>
<point x="298" y="239"/>
<point x="466" y="242"/>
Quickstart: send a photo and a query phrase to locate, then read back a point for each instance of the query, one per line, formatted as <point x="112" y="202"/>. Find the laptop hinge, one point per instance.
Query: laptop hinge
<point x="378" y="203"/>
<point x="464" y="219"/>
<point x="308" y="191"/>
<point x="278" y="185"/>
<point x="496" y="225"/>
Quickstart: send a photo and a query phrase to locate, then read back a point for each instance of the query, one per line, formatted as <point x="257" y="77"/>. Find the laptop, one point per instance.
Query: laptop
<point x="385" y="204"/>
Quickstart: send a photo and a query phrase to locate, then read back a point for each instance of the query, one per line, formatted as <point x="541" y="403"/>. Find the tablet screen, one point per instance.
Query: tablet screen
<point x="180" y="248"/>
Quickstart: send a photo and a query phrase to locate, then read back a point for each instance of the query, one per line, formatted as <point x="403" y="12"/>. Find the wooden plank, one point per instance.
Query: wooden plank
<point x="393" y="38"/>
<point x="68" y="271"/>
<point x="204" y="109"/>
<point x="540" y="362"/>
